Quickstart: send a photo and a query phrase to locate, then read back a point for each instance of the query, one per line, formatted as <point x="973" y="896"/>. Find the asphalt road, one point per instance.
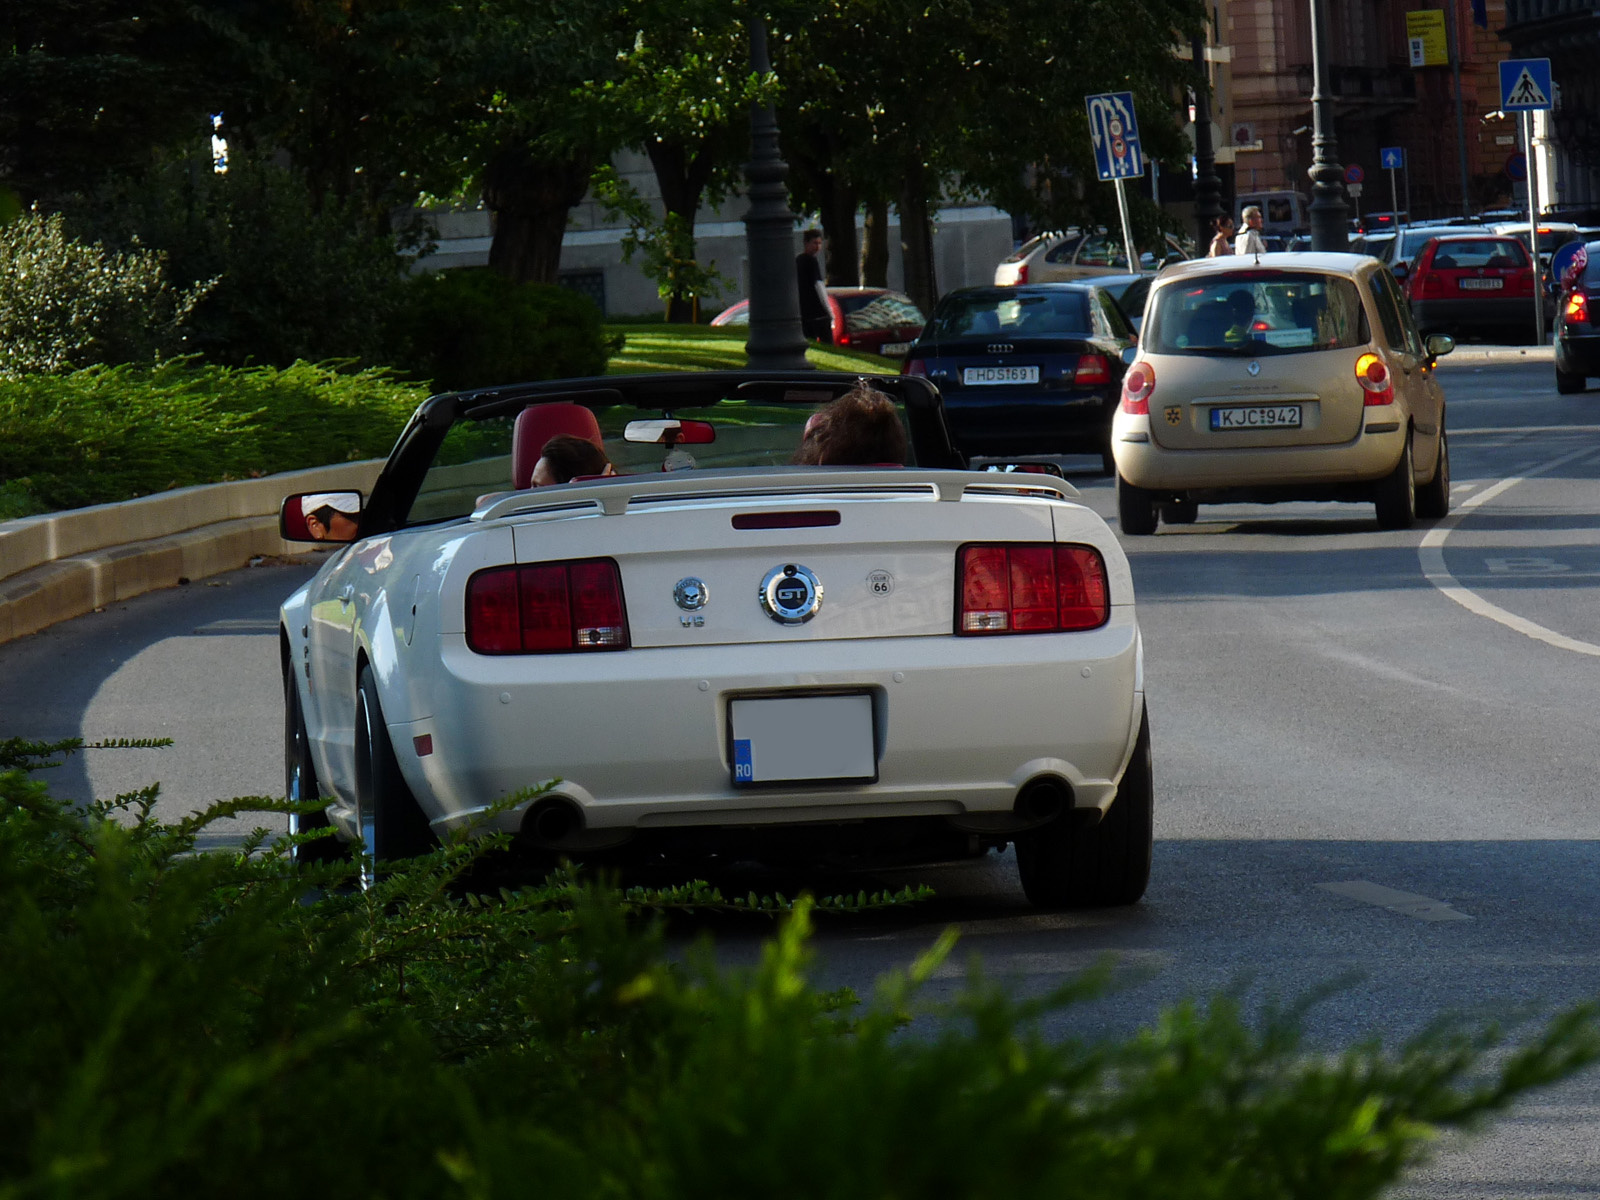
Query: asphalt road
<point x="1374" y="756"/>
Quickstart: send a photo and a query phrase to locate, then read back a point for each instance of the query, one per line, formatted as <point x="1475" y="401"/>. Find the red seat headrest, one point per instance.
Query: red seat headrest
<point x="537" y="424"/>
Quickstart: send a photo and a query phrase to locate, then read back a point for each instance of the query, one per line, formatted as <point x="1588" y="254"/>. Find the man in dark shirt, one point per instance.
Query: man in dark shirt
<point x="816" y="319"/>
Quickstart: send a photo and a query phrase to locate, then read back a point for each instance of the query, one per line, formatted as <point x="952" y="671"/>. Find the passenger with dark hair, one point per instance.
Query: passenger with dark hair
<point x="860" y="428"/>
<point x="565" y="458"/>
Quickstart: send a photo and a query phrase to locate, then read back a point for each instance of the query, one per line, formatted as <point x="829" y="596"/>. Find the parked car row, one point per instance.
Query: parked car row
<point x="876" y="320"/>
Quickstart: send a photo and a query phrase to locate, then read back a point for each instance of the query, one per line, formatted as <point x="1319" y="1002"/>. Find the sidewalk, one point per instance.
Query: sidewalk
<point x="62" y="565"/>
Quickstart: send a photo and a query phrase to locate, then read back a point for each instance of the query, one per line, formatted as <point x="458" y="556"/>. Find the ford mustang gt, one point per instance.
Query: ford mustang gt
<point x="714" y="651"/>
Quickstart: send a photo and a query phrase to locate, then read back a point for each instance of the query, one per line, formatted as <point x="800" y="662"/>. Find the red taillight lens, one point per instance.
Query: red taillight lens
<point x="1022" y="273"/>
<point x="1093" y="371"/>
<point x="1578" y="308"/>
<point x="1372" y="373"/>
<point x="1137" y="385"/>
<point x="914" y="366"/>
<point x="1031" y="588"/>
<point x="1427" y="285"/>
<point x="552" y="608"/>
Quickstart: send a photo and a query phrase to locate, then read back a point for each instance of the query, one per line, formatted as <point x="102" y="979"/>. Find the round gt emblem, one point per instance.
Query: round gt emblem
<point x="690" y="594"/>
<point x="790" y="594"/>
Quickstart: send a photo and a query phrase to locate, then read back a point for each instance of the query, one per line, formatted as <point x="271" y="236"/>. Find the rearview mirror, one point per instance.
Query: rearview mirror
<point x="670" y="431"/>
<point x="1026" y="468"/>
<point x="1399" y="270"/>
<point x="320" y="517"/>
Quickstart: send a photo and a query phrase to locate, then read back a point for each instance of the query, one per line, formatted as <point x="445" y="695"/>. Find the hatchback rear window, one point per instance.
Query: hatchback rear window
<point x="1012" y="313"/>
<point x="1256" y="312"/>
<point x="1482" y="252"/>
<point x="888" y="310"/>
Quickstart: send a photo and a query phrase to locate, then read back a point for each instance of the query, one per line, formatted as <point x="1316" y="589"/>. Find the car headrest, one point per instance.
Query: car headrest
<point x="537" y="424"/>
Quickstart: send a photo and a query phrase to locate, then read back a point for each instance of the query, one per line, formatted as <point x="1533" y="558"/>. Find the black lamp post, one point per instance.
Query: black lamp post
<point x="777" y="341"/>
<point x="1330" y="228"/>
<point x="1207" y="185"/>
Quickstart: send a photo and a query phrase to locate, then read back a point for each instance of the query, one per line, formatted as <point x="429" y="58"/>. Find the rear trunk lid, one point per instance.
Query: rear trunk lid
<point x="1217" y="402"/>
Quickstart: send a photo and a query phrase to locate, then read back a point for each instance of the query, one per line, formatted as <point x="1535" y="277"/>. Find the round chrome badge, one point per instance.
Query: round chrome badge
<point x="790" y="594"/>
<point x="690" y="594"/>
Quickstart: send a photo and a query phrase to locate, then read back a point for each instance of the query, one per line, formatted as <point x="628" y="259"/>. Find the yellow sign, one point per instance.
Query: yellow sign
<point x="1425" y="36"/>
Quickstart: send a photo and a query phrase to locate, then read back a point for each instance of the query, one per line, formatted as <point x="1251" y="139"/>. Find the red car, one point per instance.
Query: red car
<point x="875" y="320"/>
<point x="1472" y="283"/>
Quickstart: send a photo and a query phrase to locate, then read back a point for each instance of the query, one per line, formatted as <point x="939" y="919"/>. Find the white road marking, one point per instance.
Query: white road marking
<point x="1407" y="904"/>
<point x="1490" y="432"/>
<point x="1431" y="554"/>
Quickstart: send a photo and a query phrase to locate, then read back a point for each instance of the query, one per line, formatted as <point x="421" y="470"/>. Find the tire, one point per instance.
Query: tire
<point x="1433" y="497"/>
<point x="1064" y="865"/>
<point x="300" y="783"/>
<point x="1136" y="508"/>
<point x="392" y="826"/>
<point x="1395" y="497"/>
<point x="1570" y="385"/>
<point x="1180" y="512"/>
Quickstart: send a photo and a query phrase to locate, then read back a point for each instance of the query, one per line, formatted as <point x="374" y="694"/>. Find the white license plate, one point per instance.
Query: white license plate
<point x="1481" y="285"/>
<point x="894" y="349"/>
<point x="1259" y="416"/>
<point x="793" y="739"/>
<point x="979" y="376"/>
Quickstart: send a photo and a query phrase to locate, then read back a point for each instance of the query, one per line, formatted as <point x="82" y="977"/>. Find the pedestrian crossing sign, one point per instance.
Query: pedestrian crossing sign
<point x="1525" y="85"/>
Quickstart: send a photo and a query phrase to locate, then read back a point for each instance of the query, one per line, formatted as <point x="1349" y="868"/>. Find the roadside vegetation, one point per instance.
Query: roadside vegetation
<point x="223" y="1023"/>
<point x="666" y="347"/>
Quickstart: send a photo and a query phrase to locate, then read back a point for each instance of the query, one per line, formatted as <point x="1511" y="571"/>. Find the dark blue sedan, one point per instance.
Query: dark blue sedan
<point x="1028" y="370"/>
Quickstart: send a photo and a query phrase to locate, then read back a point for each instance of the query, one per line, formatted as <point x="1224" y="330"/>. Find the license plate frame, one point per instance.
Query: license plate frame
<point x="1486" y="283"/>
<point x="1233" y="418"/>
<point x="999" y="376"/>
<point x="790" y="740"/>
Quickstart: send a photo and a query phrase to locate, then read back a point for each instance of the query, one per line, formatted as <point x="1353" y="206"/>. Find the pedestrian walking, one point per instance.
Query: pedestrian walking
<point x="816" y="319"/>
<point x="1222" y="243"/>
<point x="1249" y="239"/>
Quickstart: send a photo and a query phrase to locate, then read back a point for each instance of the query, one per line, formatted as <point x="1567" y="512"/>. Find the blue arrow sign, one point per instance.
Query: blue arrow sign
<point x="1115" y="134"/>
<point x="1393" y="157"/>
<point x="1525" y="84"/>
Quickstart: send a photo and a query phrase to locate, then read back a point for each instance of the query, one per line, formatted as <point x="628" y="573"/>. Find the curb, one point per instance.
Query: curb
<point x="63" y="565"/>
<point x="1464" y="356"/>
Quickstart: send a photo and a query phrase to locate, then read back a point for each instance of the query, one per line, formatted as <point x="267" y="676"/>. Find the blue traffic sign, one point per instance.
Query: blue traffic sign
<point x="1354" y="174"/>
<point x="1525" y="84"/>
<point x="1393" y="157"/>
<point x="1517" y="167"/>
<point x="1115" y="134"/>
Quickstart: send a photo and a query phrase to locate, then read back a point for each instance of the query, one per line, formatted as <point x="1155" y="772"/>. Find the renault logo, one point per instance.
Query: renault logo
<point x="1254" y="369"/>
<point x="1001" y="347"/>
<point x="790" y="594"/>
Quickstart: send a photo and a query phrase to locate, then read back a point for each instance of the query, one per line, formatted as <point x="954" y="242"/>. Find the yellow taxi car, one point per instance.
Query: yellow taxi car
<point x="1280" y="377"/>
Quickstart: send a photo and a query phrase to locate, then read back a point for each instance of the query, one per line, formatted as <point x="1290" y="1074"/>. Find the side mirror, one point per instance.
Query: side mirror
<point x="670" y="431"/>
<point x="320" y="517"/>
<point x="1399" y="270"/>
<point x="1129" y="353"/>
<point x="1440" y="344"/>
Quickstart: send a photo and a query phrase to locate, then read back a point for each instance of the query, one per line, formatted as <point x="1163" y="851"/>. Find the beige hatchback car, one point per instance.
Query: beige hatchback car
<point x="1280" y="377"/>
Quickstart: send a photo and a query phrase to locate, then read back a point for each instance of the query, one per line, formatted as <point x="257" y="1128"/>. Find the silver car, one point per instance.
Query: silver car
<point x="1282" y="377"/>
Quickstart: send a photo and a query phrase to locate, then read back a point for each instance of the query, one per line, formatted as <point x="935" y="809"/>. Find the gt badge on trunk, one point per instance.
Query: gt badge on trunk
<point x="790" y="594"/>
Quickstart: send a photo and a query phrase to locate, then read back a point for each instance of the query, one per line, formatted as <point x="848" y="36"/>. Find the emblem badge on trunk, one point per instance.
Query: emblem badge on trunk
<point x="690" y="594"/>
<point x="1174" y="415"/>
<point x="1254" y="369"/>
<point x="790" y="594"/>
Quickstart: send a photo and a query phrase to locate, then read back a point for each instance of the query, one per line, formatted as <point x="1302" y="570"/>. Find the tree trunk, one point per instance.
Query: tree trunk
<point x="682" y="174"/>
<point x="530" y="199"/>
<point x="916" y="245"/>
<point x="875" y="245"/>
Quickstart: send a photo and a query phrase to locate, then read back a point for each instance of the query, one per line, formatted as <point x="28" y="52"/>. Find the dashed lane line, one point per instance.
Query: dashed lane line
<point x="1431" y="555"/>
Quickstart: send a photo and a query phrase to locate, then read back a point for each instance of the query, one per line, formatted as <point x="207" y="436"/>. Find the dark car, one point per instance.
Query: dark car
<point x="1578" y="326"/>
<point x="1034" y="369"/>
<point x="1473" y="283"/>
<point x="874" y="320"/>
<point x="1129" y="291"/>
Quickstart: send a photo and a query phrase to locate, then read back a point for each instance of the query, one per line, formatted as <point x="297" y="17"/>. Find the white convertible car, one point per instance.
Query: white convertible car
<point x="715" y="652"/>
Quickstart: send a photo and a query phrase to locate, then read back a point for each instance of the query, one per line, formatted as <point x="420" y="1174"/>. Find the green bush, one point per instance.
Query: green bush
<point x="473" y="328"/>
<point x="111" y="433"/>
<point x="298" y="276"/>
<point x="221" y="1024"/>
<point x="66" y="303"/>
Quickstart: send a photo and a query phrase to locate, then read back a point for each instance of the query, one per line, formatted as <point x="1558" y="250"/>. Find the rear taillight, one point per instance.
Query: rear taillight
<point x="1022" y="273"/>
<point x="1137" y="385"/>
<point x="1093" y="371"/>
<point x="914" y="366"/>
<point x="1577" y="312"/>
<point x="1427" y="285"/>
<point x="1372" y="373"/>
<point x="551" y="608"/>
<point x="1031" y="588"/>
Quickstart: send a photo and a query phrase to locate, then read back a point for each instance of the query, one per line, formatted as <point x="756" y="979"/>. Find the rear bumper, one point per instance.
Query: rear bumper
<point x="1485" y="313"/>
<point x="1579" y="355"/>
<point x="960" y="725"/>
<point x="1033" y="423"/>
<point x="1365" y="459"/>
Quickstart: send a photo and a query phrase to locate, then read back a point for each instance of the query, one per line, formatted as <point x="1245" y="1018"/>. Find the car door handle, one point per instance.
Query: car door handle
<point x="347" y="593"/>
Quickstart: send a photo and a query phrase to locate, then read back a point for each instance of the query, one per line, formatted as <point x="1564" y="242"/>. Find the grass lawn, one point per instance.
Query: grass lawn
<point x="657" y="347"/>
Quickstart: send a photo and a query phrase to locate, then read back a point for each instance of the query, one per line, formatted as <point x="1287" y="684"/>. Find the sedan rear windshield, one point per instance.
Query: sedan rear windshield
<point x="1012" y="314"/>
<point x="1482" y="252"/>
<point x="1255" y="312"/>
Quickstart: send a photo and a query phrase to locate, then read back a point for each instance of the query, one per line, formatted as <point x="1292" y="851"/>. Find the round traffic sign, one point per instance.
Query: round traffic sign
<point x="1564" y="259"/>
<point x="1354" y="174"/>
<point x="1517" y="166"/>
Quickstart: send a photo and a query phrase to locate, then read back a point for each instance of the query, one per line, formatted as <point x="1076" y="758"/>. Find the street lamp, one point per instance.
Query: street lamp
<point x="1207" y="186"/>
<point x="777" y="341"/>
<point x="1329" y="213"/>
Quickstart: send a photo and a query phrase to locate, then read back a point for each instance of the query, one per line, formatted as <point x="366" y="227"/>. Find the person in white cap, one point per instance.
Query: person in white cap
<point x="331" y="516"/>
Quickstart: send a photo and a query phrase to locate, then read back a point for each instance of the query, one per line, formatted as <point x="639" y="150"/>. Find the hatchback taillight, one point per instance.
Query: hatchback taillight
<point x="914" y="366"/>
<point x="1137" y="385"/>
<point x="551" y="608"/>
<point x="1093" y="371"/>
<point x="1031" y="588"/>
<point x="1577" y="312"/>
<point x="1372" y="373"/>
<point x="1428" y="285"/>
